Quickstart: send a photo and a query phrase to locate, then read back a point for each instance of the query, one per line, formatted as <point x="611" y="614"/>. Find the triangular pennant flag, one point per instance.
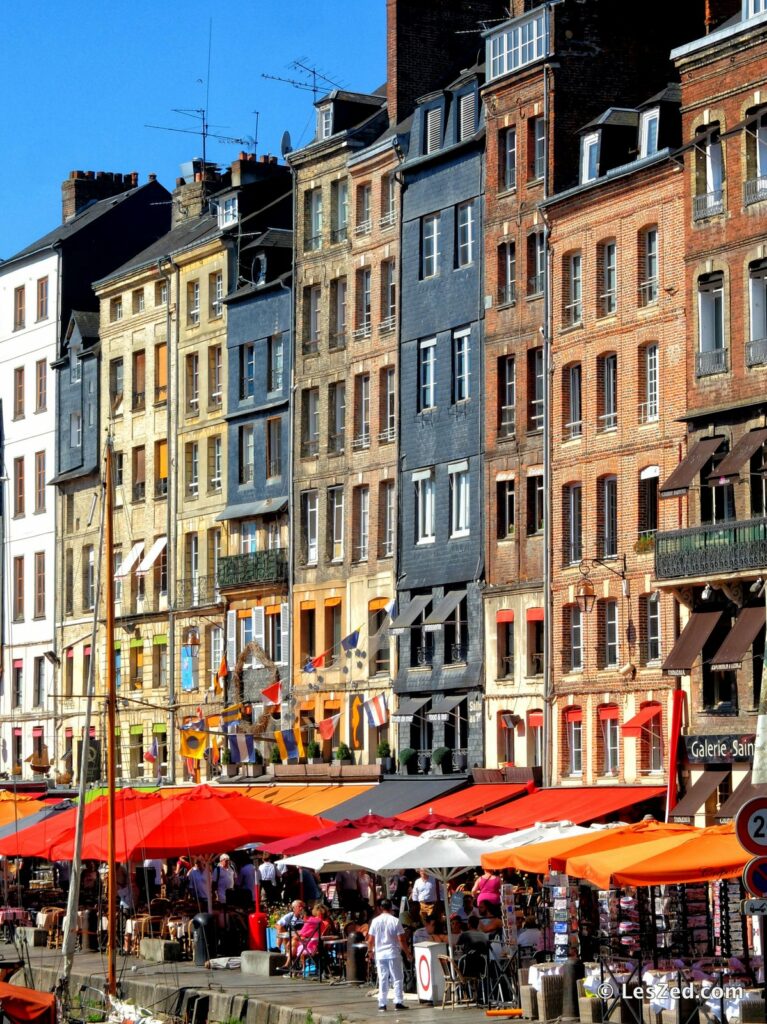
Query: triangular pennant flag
<point x="327" y="726"/>
<point x="272" y="694"/>
<point x="319" y="660"/>
<point x="349" y="643"/>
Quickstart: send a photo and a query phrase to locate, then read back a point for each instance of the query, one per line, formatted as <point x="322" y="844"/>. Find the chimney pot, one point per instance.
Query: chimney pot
<point x="243" y="155"/>
<point x="151" y="177"/>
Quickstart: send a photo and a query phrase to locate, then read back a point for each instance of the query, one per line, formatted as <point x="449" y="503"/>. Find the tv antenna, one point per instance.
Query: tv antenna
<point x="204" y="131"/>
<point x="313" y="83"/>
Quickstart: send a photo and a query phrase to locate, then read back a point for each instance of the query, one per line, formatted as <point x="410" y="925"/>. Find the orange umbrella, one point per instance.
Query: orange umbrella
<point x="552" y="855"/>
<point x="12" y="810"/>
<point x="675" y="858"/>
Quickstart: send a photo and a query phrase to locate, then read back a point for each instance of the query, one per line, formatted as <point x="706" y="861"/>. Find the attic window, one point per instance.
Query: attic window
<point x="648" y="132"/>
<point x="433" y="130"/>
<point x="466" y="117"/>
<point x="227" y="212"/>
<point x="325" y="122"/>
<point x="589" y="157"/>
<point x="756" y="7"/>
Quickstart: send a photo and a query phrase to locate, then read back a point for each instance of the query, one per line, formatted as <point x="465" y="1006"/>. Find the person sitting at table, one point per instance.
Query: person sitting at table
<point x="312" y="930"/>
<point x="473" y="938"/>
<point x="531" y="935"/>
<point x="489" y="922"/>
<point x="331" y="926"/>
<point x="426" y="932"/>
<point x="288" y="927"/>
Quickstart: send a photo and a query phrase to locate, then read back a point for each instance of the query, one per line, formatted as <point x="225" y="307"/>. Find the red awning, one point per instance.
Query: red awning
<point x="608" y="711"/>
<point x="633" y="727"/>
<point x="468" y="803"/>
<point x="505" y="615"/>
<point x="535" y="719"/>
<point x="578" y="805"/>
<point x="535" y="614"/>
<point x="573" y="714"/>
<point x="27" y="1006"/>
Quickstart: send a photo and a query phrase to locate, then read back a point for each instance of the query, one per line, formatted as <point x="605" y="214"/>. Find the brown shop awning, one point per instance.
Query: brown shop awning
<point x="744" y="448"/>
<point x="697" y="795"/>
<point x="690" y="643"/>
<point x="684" y="474"/>
<point x="739" y="639"/>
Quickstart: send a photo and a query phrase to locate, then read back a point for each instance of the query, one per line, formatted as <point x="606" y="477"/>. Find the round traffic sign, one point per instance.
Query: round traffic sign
<point x="755" y="876"/>
<point x="751" y="825"/>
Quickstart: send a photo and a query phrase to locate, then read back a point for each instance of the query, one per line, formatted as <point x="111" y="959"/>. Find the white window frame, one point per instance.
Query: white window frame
<point x="325" y="121"/>
<point x="711" y="316"/>
<point x="609" y="417"/>
<point x="539" y="151"/>
<point x="363" y="523"/>
<point x="509" y="165"/>
<point x="311" y="524"/>
<point x="508" y="389"/>
<point x="193" y="303"/>
<point x="590" y="157"/>
<point x="756" y="7"/>
<point x="612" y="641"/>
<point x="610" y="514"/>
<point x="227" y="213"/>
<point x="575" y="746"/>
<point x="649" y="124"/>
<point x="609" y="295"/>
<point x="215" y="480"/>
<point x="248" y="454"/>
<point x="315" y="304"/>
<point x="576" y="639"/>
<point x="424" y="506"/>
<point x="465" y="234"/>
<point x="523" y="42"/>
<point x="427" y="366"/>
<point x="336" y="522"/>
<point x="574" y="426"/>
<point x="652" y="384"/>
<point x="387" y="548"/>
<point x="315" y="218"/>
<point x="217" y="298"/>
<point x="390" y="402"/>
<point x="574" y="524"/>
<point x="574" y="307"/>
<point x="459" y="499"/>
<point x="430" y="229"/>
<point x="612" y="745"/>
<point x="757" y="302"/>
<point x="75" y="430"/>
<point x="653" y="628"/>
<point x="461" y="363"/>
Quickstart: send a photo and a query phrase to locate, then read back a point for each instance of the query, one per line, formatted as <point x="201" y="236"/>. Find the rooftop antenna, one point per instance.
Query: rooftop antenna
<point x="255" y="137"/>
<point x="317" y="77"/>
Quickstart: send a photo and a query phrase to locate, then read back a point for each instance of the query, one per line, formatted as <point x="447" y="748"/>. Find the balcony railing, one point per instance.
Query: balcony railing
<point x="139" y="400"/>
<point x="139" y="491"/>
<point x="161" y="487"/>
<point x="755" y="190"/>
<point x="648" y="411"/>
<point x="387" y="435"/>
<point x="573" y="313"/>
<point x="256" y="567"/>
<point x="508" y="425"/>
<point x="310" y="346"/>
<point x="507" y="294"/>
<point x="648" y="292"/>
<point x="535" y="285"/>
<point x="312" y="243"/>
<point x="336" y="442"/>
<point x="607" y="421"/>
<point x="160" y="393"/>
<point x="388" y="219"/>
<point x="456" y="655"/>
<point x="363" y="331"/>
<point x="572" y="553"/>
<point x="756" y="352"/>
<point x="711" y="549"/>
<point x="310" y="448"/>
<point x="709" y="204"/>
<point x="573" y="429"/>
<point x="361" y="441"/>
<point x="197" y="591"/>
<point x="388" y="324"/>
<point x="339" y="234"/>
<point x="709" y="363"/>
<point x="363" y="227"/>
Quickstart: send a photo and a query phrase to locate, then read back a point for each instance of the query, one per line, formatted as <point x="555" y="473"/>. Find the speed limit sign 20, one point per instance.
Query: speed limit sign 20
<point x="751" y="826"/>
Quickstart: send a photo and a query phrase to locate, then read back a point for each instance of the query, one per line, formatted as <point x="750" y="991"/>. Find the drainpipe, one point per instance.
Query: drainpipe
<point x="547" y="530"/>
<point x="56" y="601"/>
<point x="289" y="703"/>
<point x="480" y="574"/>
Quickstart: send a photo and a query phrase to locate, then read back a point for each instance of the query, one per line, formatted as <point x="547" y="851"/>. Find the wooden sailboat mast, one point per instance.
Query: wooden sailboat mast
<point x="111" y="726"/>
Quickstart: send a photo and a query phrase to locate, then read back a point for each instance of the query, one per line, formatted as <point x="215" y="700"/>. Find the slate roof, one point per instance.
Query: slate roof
<point x="183" y="236"/>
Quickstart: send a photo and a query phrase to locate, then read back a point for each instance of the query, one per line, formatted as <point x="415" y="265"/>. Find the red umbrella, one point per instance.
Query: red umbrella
<point x="431" y="821"/>
<point x="339" y="831"/>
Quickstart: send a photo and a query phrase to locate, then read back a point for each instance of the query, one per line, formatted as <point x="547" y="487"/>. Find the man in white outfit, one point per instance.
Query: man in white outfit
<point x="387" y="942"/>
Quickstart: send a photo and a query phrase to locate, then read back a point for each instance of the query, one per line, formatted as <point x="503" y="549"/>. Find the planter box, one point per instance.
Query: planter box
<point x="251" y="771"/>
<point x="316" y="760"/>
<point x="230" y="770"/>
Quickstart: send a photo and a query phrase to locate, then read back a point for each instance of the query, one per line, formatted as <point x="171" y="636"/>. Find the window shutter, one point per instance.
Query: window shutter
<point x="258" y="626"/>
<point x="433" y="129"/>
<point x="285" y="630"/>
<point x="466" y="117"/>
<point x="758" y="321"/>
<point x="231" y="639"/>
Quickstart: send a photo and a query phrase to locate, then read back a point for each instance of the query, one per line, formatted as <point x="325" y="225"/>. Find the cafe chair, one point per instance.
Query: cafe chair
<point x="550" y="996"/>
<point x="589" y="1008"/>
<point x="458" y="989"/>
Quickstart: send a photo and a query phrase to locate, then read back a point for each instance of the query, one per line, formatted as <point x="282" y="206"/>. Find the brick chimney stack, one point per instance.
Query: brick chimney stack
<point x="428" y="44"/>
<point x="719" y="11"/>
<point x="83" y="187"/>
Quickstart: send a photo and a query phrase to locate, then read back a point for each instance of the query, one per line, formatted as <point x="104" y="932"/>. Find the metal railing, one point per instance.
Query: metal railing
<point x="709" y="363"/>
<point x="310" y="346"/>
<point x="161" y="487"/>
<point x="645" y="541"/>
<point x="457" y="654"/>
<point x="607" y="547"/>
<point x="755" y="190"/>
<point x="508" y="426"/>
<point x="573" y="314"/>
<point x="607" y="421"/>
<point x="708" y="204"/>
<point x="388" y="219"/>
<point x="648" y="291"/>
<point x="424" y="657"/>
<point x="608" y="303"/>
<point x="312" y="243"/>
<point x="572" y="553"/>
<point x="254" y="567"/>
<point x="711" y="549"/>
<point x="139" y="491"/>
<point x="647" y="412"/>
<point x="139" y="400"/>
<point x="197" y="591"/>
<point x="387" y="435"/>
<point x="388" y="324"/>
<point x="310" y="448"/>
<point x="386" y="547"/>
<point x="160" y="393"/>
<point x="535" y="285"/>
<point x="507" y="294"/>
<point x="573" y="429"/>
<point x="336" y="442"/>
<point x="535" y="664"/>
<point x="361" y="441"/>
<point x="536" y="414"/>
<point x="756" y="352"/>
<point x="363" y="331"/>
<point x="364" y="227"/>
<point x="339" y="234"/>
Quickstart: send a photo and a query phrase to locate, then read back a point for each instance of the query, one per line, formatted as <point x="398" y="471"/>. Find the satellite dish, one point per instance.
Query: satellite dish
<point x="286" y="146"/>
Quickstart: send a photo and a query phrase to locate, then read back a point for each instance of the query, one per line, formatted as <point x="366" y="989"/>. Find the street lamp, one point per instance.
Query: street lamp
<point x="585" y="595"/>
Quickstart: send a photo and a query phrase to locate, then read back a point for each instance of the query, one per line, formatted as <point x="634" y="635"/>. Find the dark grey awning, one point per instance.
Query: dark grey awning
<point x="407" y="708"/>
<point x="444" y="610"/>
<point x="407" y="616"/>
<point x="249" y="509"/>
<point x="441" y="707"/>
<point x="744" y="448"/>
<point x="684" y="474"/>
<point x="739" y="639"/>
<point x="697" y="795"/>
<point x="690" y="643"/>
<point x="392" y="798"/>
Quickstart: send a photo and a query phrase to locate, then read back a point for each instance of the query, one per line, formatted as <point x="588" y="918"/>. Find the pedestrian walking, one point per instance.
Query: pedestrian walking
<point x="387" y="943"/>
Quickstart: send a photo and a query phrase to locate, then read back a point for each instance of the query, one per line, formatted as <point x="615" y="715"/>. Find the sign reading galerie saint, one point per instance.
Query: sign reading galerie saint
<point x="719" y="749"/>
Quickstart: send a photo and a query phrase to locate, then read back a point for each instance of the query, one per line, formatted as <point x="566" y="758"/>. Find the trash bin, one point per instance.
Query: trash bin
<point x="257" y="923"/>
<point x="356" y="953"/>
<point x="204" y="938"/>
<point x="91" y="937"/>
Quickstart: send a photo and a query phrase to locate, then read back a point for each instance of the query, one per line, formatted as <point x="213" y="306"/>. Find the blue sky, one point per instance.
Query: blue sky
<point x="82" y="79"/>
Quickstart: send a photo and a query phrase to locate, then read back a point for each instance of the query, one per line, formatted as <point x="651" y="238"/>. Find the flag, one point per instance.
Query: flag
<point x="193" y="743"/>
<point x="213" y="722"/>
<point x="221" y="676"/>
<point x="188" y="682"/>
<point x="349" y="643"/>
<point x="289" y="743"/>
<point x="308" y="667"/>
<point x="390" y="607"/>
<point x="319" y="660"/>
<point x="231" y="714"/>
<point x="376" y="711"/>
<point x="215" y="752"/>
<point x="153" y="753"/>
<point x="327" y="726"/>
<point x="272" y="694"/>
<point x="241" y="746"/>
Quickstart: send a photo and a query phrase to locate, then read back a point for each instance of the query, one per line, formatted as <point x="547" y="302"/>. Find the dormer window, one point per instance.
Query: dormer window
<point x="589" y="157"/>
<point x="432" y="130"/>
<point x="325" y="122"/>
<point x="259" y="268"/>
<point x="227" y="212"/>
<point x="466" y="117"/>
<point x="648" y="133"/>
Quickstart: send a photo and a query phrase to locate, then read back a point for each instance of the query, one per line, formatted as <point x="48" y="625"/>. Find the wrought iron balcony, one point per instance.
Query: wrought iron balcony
<point x="256" y="567"/>
<point x="711" y="549"/>
<point x="709" y="363"/>
<point x="709" y="204"/>
<point x="755" y="190"/>
<point x="756" y="352"/>
<point x="197" y="591"/>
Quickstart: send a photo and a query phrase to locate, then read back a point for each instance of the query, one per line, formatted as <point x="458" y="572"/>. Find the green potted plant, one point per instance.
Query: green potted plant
<point x="442" y="758"/>
<point x="408" y="760"/>
<point x="227" y="768"/>
<point x="343" y="754"/>
<point x="383" y="755"/>
<point x="274" y="759"/>
<point x="313" y="752"/>
<point x="645" y="544"/>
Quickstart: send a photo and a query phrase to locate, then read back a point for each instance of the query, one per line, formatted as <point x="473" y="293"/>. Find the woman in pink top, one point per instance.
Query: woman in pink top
<point x="487" y="888"/>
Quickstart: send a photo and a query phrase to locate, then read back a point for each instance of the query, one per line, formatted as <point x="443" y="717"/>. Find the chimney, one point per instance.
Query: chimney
<point x="190" y="196"/>
<point x="427" y="44"/>
<point x="84" y="187"/>
<point x="719" y="11"/>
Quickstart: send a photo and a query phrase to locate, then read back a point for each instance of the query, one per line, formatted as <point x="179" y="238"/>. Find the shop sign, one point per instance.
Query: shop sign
<point x="719" y="749"/>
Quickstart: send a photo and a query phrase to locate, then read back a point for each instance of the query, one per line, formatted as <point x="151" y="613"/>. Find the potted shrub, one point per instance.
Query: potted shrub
<point x="227" y="767"/>
<point x="343" y="754"/>
<point x="459" y="762"/>
<point x="383" y="755"/>
<point x="645" y="544"/>
<point x="424" y="762"/>
<point x="442" y="758"/>
<point x="313" y="752"/>
<point x="274" y="758"/>
<point x="408" y="760"/>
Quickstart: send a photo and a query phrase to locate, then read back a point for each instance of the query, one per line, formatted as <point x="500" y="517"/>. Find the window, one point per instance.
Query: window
<point x="573" y="311"/>
<point x="432" y="130"/>
<point x="756" y="347"/>
<point x="75" y="429"/>
<point x="386" y="515"/>
<point x="708" y="200"/>
<point x="42" y="298"/>
<point x="192" y="384"/>
<point x="464" y="250"/>
<point x="648" y="132"/>
<point x="18" y="307"/>
<point x="339" y="208"/>
<point x="652" y="743"/>
<point x="247" y="454"/>
<point x="711" y="357"/>
<point x="39" y="481"/>
<point x="651" y="645"/>
<point x="505" y="646"/>
<point x="38" y="683"/>
<point x="424" y="506"/>
<point x="574" y="739"/>
<point x="247" y="371"/>
<point x="647" y="508"/>
<point x="388" y="295"/>
<point x="18" y="487"/>
<point x="192" y="461"/>
<point x="506" y="499"/>
<point x="755" y="187"/>
<point x="608" y="628"/>
<point x="572" y="406"/>
<point x="361" y="411"/>
<point x="336" y="417"/>
<point x="507" y="396"/>
<point x="467" y="116"/>
<point x="273" y="447"/>
<point x="430" y="245"/>
<point x="161" y="373"/>
<point x="215" y="455"/>
<point x="215" y="376"/>
<point x="507" y="273"/>
<point x="161" y="468"/>
<point x="534" y="505"/>
<point x="18" y="588"/>
<point x="248" y="537"/>
<point x="648" y="266"/>
<point x="139" y="473"/>
<point x="607" y="517"/>
<point x="41" y="385"/>
<point x="507" y="149"/>
<point x="537" y="147"/>
<point x="313" y="220"/>
<point x="572" y="523"/>
<point x="536" y="263"/>
<point x="337" y="338"/>
<point x="309" y="526"/>
<point x="459" y="495"/>
<point x="139" y="381"/>
<point x="576" y="638"/>
<point x="161" y="293"/>
<point x="116" y="309"/>
<point x="608" y="274"/>
<point x="227" y="211"/>
<point x="756" y="7"/>
<point x="536" y="382"/>
<point x="312" y="300"/>
<point x="275" y="362"/>
<point x="388" y="200"/>
<point x="590" y="157"/>
<point x="364" y="199"/>
<point x="387" y="391"/>
<point x="116" y="385"/>
<point x="137" y="300"/>
<point x="364" y="284"/>
<point x="610" y="734"/>
<point x="89" y="577"/>
<point x="336" y="523"/>
<point x="118" y="464"/>
<point x="607" y="393"/>
<point x="648" y="376"/>
<point x="461" y="365"/>
<point x="193" y="303"/>
<point x="18" y="393"/>
<point x="521" y="43"/>
<point x="310" y="422"/>
<point x="39" y="584"/>
<point x="17" y="697"/>
<point x="427" y="359"/>
<point x="361" y="508"/>
<point x="325" y="121"/>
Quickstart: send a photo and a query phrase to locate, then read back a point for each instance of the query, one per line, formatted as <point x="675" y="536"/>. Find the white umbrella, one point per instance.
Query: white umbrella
<point x="540" y="832"/>
<point x="338" y="856"/>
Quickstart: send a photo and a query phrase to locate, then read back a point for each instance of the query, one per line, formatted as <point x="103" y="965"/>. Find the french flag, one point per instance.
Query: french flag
<point x="376" y="711"/>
